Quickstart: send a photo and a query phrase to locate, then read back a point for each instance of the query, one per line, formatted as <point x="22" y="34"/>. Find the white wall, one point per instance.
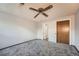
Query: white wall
<point x="39" y="31"/>
<point x="52" y="28"/>
<point x="77" y="30"/>
<point x="14" y="30"/>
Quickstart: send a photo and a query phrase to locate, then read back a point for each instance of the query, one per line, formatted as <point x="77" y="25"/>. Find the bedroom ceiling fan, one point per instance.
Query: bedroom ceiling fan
<point x="41" y="10"/>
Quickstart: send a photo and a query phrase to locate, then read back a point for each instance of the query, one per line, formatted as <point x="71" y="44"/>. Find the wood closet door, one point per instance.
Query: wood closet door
<point x="63" y="31"/>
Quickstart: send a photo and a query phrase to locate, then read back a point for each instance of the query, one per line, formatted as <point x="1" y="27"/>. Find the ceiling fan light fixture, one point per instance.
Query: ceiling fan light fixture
<point x="41" y="10"/>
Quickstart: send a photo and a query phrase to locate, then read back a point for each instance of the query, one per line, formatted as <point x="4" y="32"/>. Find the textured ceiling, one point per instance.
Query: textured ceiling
<point x="23" y="11"/>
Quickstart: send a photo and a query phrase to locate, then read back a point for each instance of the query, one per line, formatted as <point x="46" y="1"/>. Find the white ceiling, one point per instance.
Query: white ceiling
<point x="23" y="11"/>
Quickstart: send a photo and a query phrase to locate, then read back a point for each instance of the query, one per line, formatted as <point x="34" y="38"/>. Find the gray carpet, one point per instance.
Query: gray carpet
<point x="39" y="48"/>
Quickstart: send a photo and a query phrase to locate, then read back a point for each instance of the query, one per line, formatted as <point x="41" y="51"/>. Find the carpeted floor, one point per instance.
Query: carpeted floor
<point x="39" y="48"/>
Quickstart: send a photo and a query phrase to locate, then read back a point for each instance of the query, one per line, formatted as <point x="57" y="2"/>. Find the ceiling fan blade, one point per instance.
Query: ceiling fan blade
<point x="36" y="15"/>
<point x="45" y="14"/>
<point x="21" y="4"/>
<point x="49" y="7"/>
<point x="33" y="9"/>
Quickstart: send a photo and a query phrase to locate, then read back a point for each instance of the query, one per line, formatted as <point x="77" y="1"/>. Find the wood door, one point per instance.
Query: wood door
<point x="63" y="31"/>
